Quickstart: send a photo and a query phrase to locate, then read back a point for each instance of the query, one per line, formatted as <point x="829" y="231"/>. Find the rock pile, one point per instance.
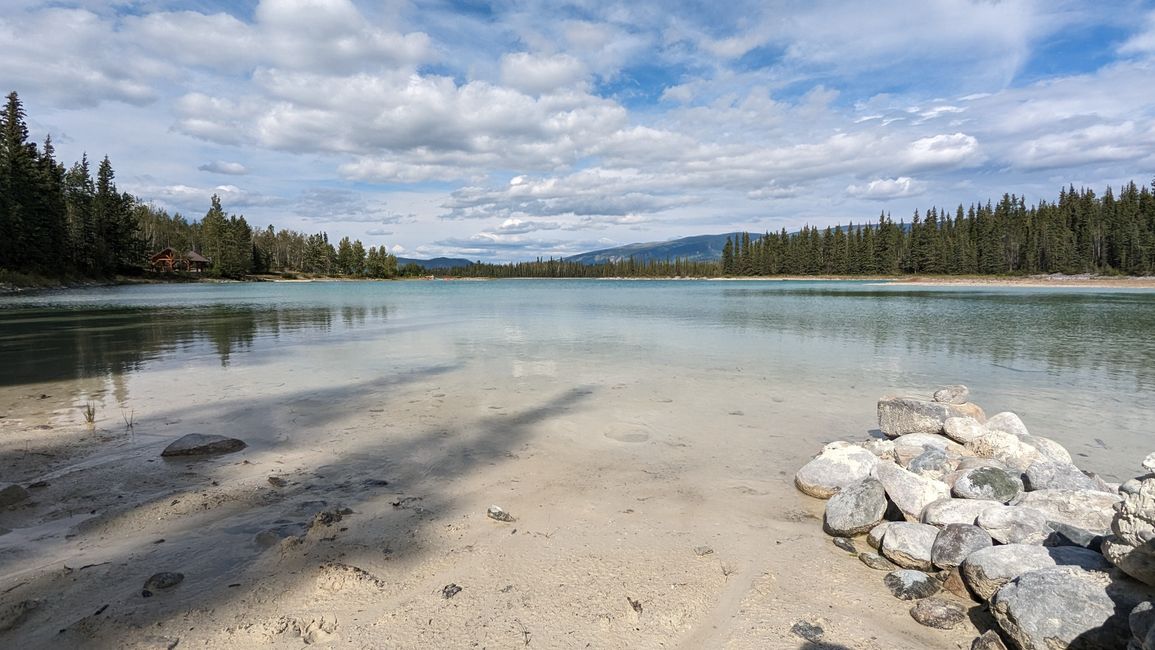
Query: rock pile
<point x="958" y="503"/>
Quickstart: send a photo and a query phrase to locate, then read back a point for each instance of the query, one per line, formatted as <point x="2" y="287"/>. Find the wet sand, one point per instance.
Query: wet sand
<point x="626" y="488"/>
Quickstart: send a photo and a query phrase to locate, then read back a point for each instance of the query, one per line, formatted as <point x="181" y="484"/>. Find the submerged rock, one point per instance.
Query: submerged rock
<point x="838" y="465"/>
<point x="1091" y="612"/>
<point x="199" y="444"/>
<point x="953" y="394"/>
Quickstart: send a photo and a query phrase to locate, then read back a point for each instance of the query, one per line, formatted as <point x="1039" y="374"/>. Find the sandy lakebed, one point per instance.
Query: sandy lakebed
<point x="647" y="461"/>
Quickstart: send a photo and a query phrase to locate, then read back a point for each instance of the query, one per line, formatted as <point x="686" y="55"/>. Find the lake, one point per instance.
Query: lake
<point x="786" y="365"/>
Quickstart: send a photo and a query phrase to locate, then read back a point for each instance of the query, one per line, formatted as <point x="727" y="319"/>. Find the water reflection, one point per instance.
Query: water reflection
<point x="49" y="344"/>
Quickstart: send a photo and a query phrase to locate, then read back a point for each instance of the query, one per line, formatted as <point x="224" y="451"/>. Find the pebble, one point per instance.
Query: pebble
<point x="845" y="544"/>
<point x="702" y="550"/>
<point x="808" y="631"/>
<point x="877" y="562"/>
<point x="496" y="513"/>
<point x="450" y="590"/>
<point x="162" y="580"/>
<point x="908" y="584"/>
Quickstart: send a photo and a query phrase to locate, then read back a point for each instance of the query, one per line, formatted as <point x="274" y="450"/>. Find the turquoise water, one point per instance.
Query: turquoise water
<point x="1077" y="364"/>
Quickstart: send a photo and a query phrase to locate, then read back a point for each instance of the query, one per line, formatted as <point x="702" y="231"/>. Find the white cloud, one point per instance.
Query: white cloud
<point x="536" y="74"/>
<point x="953" y="150"/>
<point x="224" y="167"/>
<point x="883" y="189"/>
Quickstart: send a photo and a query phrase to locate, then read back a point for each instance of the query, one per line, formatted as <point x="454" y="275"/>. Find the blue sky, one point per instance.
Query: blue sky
<point x="511" y="130"/>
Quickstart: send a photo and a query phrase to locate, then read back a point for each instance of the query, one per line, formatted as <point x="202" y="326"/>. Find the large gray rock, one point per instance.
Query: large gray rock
<point x="1061" y="607"/>
<point x="932" y="463"/>
<point x="1015" y="525"/>
<point x="1009" y="422"/>
<point x="974" y="462"/>
<point x="1090" y="510"/>
<point x="1049" y="449"/>
<point x="956" y="542"/>
<point x="989" y="483"/>
<point x="899" y="416"/>
<point x="838" y="464"/>
<point x="954" y="511"/>
<point x="874" y="537"/>
<point x="1131" y="545"/>
<point x="912" y="445"/>
<point x="12" y="494"/>
<point x="909" y="491"/>
<point x="199" y="444"/>
<point x="963" y="429"/>
<point x="1005" y="447"/>
<point x="988" y="569"/>
<point x="908" y="584"/>
<point x="1049" y="475"/>
<point x="858" y="508"/>
<point x="909" y="545"/>
<point x="953" y="394"/>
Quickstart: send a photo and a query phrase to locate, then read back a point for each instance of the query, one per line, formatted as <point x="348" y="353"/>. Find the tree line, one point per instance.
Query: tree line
<point x="1079" y="233"/>
<point x="60" y="221"/>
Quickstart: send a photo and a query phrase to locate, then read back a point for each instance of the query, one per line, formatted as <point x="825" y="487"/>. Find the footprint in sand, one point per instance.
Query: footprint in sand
<point x="627" y="433"/>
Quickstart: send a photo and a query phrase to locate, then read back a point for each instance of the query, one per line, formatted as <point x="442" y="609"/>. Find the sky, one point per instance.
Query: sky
<point x="504" y="131"/>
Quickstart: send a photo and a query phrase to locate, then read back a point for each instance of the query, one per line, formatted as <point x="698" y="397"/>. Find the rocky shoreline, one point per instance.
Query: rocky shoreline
<point x="975" y="519"/>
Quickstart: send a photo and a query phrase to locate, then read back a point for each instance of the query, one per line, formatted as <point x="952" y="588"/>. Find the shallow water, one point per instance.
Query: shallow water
<point x="652" y="360"/>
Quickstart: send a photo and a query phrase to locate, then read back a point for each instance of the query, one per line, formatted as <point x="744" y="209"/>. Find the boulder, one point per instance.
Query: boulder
<point x="955" y="542"/>
<point x="899" y="416"/>
<point x="1067" y="535"/>
<point x="1008" y="422"/>
<point x="989" y="483"/>
<point x="1131" y="545"/>
<point x="913" y="445"/>
<point x="1049" y="475"/>
<point x="932" y="463"/>
<point x="954" y="511"/>
<point x="988" y="569"/>
<point x="838" y="464"/>
<point x="1087" y="509"/>
<point x="1142" y="622"/>
<point x="874" y="537"/>
<point x="909" y="491"/>
<point x="1014" y="525"/>
<point x="1049" y="449"/>
<point x="1004" y="447"/>
<point x="199" y="444"/>
<point x="12" y="494"/>
<point x="857" y="509"/>
<point x="909" y="545"/>
<point x="953" y="394"/>
<point x="908" y="584"/>
<point x="973" y="462"/>
<point x="963" y="429"/>
<point x="938" y="613"/>
<point x="1092" y="611"/>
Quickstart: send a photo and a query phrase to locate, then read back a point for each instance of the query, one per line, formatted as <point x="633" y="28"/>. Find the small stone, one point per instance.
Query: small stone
<point x="990" y="640"/>
<point x="163" y="580"/>
<point x="277" y="481"/>
<point x="197" y="444"/>
<point x="496" y="513"/>
<point x="703" y="550"/>
<point x="908" y="584"/>
<point x="450" y="590"/>
<point x="953" y="394"/>
<point x="12" y="494"/>
<point x="845" y="544"/>
<point x="877" y="562"/>
<point x="938" y="613"/>
<point x="808" y="631"/>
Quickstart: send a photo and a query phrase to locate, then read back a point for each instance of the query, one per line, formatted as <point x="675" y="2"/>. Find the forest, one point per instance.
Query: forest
<point x="60" y="221"/>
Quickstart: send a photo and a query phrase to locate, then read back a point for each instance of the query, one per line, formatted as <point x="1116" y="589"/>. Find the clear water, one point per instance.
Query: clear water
<point x="799" y="363"/>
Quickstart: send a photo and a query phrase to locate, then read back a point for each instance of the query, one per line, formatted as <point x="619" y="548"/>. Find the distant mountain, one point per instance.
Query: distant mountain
<point x="699" y="248"/>
<point x="436" y="263"/>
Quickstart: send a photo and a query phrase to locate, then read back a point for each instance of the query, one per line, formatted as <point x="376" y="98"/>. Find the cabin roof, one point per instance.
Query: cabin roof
<point x="194" y="256"/>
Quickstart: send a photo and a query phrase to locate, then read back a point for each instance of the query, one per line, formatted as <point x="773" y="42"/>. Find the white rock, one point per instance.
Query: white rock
<point x="954" y="511"/>
<point x="1004" y="447"/>
<point x="909" y="492"/>
<point x="963" y="429"/>
<point x="838" y="464"/>
<point x="910" y="545"/>
<point x="1009" y="422"/>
